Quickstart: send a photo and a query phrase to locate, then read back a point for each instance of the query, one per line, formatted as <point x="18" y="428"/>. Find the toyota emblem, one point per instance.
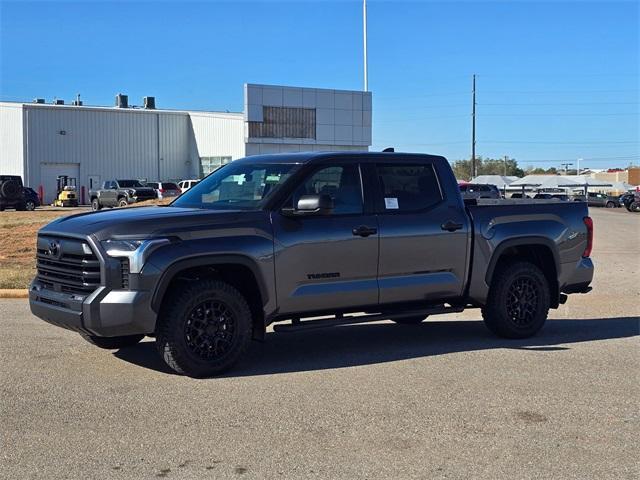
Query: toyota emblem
<point x="54" y="249"/>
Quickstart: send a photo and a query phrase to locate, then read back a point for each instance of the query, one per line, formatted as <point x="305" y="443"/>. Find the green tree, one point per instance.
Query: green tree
<point x="487" y="166"/>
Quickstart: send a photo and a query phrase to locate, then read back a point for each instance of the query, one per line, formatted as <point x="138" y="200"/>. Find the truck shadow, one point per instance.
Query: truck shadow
<point x="366" y="344"/>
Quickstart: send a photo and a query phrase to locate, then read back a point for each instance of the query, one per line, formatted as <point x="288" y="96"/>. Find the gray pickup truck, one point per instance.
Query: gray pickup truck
<point x="307" y="240"/>
<point x="120" y="193"/>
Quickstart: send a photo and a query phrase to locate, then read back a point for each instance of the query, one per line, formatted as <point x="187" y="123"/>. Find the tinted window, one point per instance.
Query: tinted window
<point x="341" y="183"/>
<point x="129" y="183"/>
<point x="408" y="187"/>
<point x="170" y="186"/>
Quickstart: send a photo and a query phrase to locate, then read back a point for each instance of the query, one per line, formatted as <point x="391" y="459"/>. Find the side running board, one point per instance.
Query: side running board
<point x="296" y="324"/>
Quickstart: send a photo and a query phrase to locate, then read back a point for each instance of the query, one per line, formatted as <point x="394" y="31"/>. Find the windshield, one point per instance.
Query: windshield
<point x="241" y="186"/>
<point x="129" y="183"/>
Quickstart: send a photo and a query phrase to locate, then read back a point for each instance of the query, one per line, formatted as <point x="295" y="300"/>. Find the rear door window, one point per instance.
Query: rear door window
<point x="408" y="187"/>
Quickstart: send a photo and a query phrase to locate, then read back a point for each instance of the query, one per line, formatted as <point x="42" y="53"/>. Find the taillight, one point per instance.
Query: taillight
<point x="589" y="224"/>
<point x="161" y="190"/>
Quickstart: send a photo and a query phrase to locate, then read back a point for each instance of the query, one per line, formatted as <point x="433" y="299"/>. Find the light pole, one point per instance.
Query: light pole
<point x="364" y="39"/>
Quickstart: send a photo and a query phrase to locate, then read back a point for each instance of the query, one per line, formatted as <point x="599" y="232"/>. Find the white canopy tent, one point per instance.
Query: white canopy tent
<point x="500" y="181"/>
<point x="558" y="181"/>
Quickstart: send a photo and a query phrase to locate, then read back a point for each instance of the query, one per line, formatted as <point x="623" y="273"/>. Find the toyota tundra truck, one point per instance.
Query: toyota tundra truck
<point x="303" y="241"/>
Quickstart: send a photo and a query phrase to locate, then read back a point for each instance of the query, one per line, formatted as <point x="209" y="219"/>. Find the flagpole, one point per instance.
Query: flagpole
<point x="364" y="30"/>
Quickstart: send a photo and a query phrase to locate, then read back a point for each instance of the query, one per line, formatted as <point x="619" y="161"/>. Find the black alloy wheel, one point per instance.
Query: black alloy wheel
<point x="522" y="301"/>
<point x="204" y="328"/>
<point x="519" y="300"/>
<point x="209" y="330"/>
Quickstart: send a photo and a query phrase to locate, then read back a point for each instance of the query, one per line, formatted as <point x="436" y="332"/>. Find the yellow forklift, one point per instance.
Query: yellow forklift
<point x="67" y="194"/>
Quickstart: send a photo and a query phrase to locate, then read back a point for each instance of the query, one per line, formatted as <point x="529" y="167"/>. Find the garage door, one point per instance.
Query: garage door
<point x="49" y="173"/>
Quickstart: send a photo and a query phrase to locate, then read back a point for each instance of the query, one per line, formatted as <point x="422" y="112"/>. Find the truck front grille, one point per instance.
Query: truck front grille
<point x="67" y="265"/>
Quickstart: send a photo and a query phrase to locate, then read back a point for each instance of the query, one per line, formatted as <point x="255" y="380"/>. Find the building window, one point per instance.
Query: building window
<point x="285" y="122"/>
<point x="209" y="164"/>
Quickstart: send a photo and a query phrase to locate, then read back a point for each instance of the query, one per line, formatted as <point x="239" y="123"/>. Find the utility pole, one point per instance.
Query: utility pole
<point x="473" y="131"/>
<point x="364" y="31"/>
<point x="506" y="157"/>
<point x="578" y="171"/>
<point x="566" y="167"/>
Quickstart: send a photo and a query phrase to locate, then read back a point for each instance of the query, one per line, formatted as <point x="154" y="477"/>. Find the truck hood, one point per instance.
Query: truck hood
<point x="143" y="222"/>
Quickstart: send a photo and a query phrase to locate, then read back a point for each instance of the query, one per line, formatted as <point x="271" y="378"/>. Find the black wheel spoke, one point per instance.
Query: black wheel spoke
<point x="209" y="330"/>
<point x="522" y="301"/>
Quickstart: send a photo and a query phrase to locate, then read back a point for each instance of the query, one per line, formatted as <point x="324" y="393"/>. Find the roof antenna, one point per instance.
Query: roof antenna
<point x="389" y="150"/>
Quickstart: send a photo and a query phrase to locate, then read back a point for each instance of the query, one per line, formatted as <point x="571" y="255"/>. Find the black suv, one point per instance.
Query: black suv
<point x="12" y="192"/>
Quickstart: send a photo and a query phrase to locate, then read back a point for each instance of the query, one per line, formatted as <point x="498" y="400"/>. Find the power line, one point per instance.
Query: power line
<point x="554" y="114"/>
<point x="556" y="103"/>
<point x="573" y="142"/>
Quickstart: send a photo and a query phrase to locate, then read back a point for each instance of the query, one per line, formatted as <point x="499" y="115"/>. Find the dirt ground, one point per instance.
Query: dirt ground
<point x="18" y="240"/>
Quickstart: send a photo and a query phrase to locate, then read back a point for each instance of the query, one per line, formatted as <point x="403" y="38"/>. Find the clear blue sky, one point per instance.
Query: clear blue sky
<point x="556" y="80"/>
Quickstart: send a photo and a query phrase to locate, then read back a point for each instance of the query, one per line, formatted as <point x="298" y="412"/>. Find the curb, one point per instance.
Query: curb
<point x="14" y="293"/>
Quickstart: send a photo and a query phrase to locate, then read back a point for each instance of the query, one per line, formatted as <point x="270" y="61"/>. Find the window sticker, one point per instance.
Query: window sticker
<point x="391" y="203"/>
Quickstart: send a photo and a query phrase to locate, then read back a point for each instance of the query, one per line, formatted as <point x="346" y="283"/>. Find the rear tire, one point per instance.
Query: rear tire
<point x="410" y="320"/>
<point x="518" y="302"/>
<point x="113" y="343"/>
<point x="204" y="328"/>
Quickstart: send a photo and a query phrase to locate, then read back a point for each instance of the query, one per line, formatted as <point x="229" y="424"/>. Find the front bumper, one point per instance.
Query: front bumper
<point x="104" y="312"/>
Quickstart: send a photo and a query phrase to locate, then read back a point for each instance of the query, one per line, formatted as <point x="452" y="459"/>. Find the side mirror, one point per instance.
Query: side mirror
<point x="311" y="205"/>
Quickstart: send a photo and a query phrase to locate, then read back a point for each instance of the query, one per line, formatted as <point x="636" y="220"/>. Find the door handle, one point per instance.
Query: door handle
<point x="451" y="226"/>
<point x="364" y="231"/>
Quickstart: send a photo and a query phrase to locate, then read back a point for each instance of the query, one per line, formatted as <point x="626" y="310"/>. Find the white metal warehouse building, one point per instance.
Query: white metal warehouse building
<point x="93" y="144"/>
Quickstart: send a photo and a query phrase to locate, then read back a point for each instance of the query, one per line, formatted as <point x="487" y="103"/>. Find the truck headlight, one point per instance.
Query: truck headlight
<point x="137" y="251"/>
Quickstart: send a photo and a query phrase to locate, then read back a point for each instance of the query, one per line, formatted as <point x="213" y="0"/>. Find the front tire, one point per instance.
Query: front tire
<point x="204" y="328"/>
<point x="113" y="343"/>
<point x="30" y="205"/>
<point x="518" y="302"/>
<point x="122" y="202"/>
<point x="610" y="205"/>
<point x="95" y="205"/>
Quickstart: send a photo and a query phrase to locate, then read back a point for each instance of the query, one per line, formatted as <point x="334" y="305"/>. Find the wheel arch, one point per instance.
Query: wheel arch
<point x="540" y="251"/>
<point x="239" y="271"/>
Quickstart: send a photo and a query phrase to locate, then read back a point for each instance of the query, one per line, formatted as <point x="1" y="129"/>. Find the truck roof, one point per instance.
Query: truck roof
<point x="305" y="157"/>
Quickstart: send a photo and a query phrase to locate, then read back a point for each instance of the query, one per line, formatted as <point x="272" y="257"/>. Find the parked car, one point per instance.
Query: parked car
<point x="601" y="200"/>
<point x="550" y="196"/>
<point x="632" y="202"/>
<point x="519" y="195"/>
<point x="187" y="184"/>
<point x="12" y="192"/>
<point x="31" y="198"/>
<point x="165" y="189"/>
<point x="204" y="279"/>
<point x="120" y="193"/>
<point x="625" y="199"/>
<point x="471" y="190"/>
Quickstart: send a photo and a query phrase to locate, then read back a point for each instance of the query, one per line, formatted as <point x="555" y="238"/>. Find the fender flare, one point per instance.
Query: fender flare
<point x="516" y="242"/>
<point x="177" y="266"/>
